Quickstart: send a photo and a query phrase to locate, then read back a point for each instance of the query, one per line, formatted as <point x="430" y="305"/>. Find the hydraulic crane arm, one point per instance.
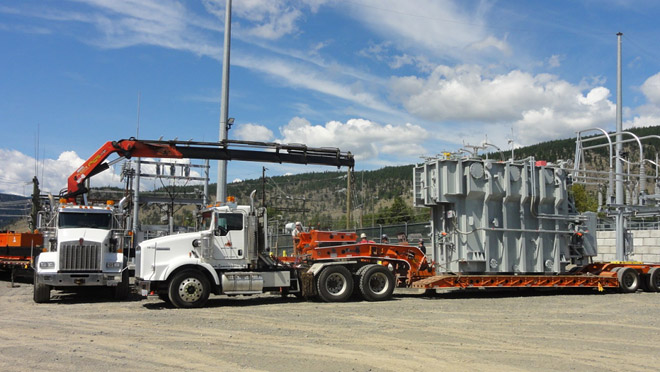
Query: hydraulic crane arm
<point x="224" y="150"/>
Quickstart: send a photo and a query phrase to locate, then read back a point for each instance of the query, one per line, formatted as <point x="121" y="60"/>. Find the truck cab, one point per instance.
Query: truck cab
<point x="83" y="246"/>
<point x="228" y="255"/>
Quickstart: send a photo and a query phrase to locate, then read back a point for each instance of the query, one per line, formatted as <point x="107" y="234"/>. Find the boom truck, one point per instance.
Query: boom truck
<point x="83" y="246"/>
<point x="84" y="243"/>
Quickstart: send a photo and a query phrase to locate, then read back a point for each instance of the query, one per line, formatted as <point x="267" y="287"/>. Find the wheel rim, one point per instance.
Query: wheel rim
<point x="336" y="284"/>
<point x="629" y="280"/>
<point x="190" y="290"/>
<point x="656" y="280"/>
<point x="378" y="283"/>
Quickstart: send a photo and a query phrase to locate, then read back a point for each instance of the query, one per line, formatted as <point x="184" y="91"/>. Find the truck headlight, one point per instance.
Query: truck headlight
<point x="46" y="264"/>
<point x="113" y="265"/>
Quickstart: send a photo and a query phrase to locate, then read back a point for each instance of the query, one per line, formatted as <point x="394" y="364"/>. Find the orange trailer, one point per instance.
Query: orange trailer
<point x="411" y="268"/>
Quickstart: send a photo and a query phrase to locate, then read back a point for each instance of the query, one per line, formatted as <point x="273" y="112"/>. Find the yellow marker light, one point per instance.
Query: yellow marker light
<point x="62" y="201"/>
<point x="110" y="202"/>
<point x="231" y="199"/>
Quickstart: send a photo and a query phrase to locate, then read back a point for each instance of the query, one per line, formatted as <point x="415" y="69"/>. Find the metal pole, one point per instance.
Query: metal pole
<point x="620" y="231"/>
<point x="221" y="192"/>
<point x="263" y="187"/>
<point x="205" y="198"/>
<point x="136" y="185"/>
<point x="348" y="199"/>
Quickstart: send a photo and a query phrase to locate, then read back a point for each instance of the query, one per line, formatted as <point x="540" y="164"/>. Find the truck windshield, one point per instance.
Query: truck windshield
<point x="85" y="220"/>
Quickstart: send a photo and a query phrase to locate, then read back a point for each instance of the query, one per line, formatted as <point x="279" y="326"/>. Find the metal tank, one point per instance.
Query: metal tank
<point x="502" y="217"/>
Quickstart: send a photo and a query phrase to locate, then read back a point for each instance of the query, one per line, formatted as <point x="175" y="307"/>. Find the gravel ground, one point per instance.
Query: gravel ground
<point x="452" y="331"/>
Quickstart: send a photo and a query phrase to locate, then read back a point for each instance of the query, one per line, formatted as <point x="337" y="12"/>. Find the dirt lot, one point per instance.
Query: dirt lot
<point x="459" y="331"/>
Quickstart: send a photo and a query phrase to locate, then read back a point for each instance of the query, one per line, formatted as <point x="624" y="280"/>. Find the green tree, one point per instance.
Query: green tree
<point x="584" y="200"/>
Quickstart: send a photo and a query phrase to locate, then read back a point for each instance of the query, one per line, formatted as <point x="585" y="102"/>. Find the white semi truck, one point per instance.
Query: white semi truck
<point x="226" y="256"/>
<point x="82" y="247"/>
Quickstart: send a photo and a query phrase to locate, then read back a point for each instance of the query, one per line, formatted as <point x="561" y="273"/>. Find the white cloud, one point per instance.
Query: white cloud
<point x="365" y="139"/>
<point x="555" y="61"/>
<point x="648" y="114"/>
<point x="651" y="89"/>
<point x="423" y="25"/>
<point x="540" y="107"/>
<point x="642" y="121"/>
<point x="320" y="80"/>
<point x="253" y="132"/>
<point x="264" y="19"/>
<point x="491" y="42"/>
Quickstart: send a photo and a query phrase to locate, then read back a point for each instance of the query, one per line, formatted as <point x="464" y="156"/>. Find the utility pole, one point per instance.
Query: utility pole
<point x="263" y="187"/>
<point x="221" y="192"/>
<point x="620" y="229"/>
<point x="348" y="199"/>
<point x="136" y="185"/>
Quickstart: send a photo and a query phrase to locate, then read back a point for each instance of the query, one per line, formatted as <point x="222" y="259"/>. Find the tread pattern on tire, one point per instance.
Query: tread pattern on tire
<point x="624" y="275"/>
<point x="121" y="291"/>
<point x="175" y="282"/>
<point x="322" y="281"/>
<point x="365" y="287"/>
<point x="653" y="279"/>
<point x="41" y="292"/>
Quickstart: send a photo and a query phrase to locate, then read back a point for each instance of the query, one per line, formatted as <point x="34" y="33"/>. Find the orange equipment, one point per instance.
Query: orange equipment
<point x="408" y="262"/>
<point x="270" y="152"/>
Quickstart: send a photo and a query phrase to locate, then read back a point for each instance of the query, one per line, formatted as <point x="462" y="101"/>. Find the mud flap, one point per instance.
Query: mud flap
<point x="308" y="284"/>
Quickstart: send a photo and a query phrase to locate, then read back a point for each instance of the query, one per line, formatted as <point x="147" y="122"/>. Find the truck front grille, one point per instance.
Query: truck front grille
<point x="76" y="257"/>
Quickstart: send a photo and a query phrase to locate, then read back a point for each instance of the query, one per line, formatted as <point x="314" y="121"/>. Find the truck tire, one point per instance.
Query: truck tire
<point x="376" y="283"/>
<point x="628" y="279"/>
<point x="41" y="292"/>
<point x="653" y="280"/>
<point x="189" y="289"/>
<point x="335" y="284"/>
<point x="120" y="292"/>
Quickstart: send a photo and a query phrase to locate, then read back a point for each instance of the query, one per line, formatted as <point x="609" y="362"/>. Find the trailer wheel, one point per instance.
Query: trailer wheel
<point x="189" y="289"/>
<point x="335" y="284"/>
<point x="653" y="280"/>
<point x="376" y="283"/>
<point x="121" y="290"/>
<point x="628" y="279"/>
<point x="41" y="292"/>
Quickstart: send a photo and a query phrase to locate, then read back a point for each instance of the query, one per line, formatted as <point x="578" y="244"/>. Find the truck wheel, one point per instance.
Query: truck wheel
<point x="120" y="292"/>
<point x="376" y="283"/>
<point x="653" y="280"/>
<point x="189" y="289"/>
<point x="41" y="292"/>
<point x="335" y="284"/>
<point x="628" y="279"/>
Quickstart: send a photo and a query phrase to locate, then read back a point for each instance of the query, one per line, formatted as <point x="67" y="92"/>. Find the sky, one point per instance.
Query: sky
<point x="390" y="81"/>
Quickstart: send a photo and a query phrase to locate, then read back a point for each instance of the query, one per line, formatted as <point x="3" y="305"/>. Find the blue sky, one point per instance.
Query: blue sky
<point x="390" y="81"/>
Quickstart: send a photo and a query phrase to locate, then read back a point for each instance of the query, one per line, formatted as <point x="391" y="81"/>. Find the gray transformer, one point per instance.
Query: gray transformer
<point x="502" y="217"/>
